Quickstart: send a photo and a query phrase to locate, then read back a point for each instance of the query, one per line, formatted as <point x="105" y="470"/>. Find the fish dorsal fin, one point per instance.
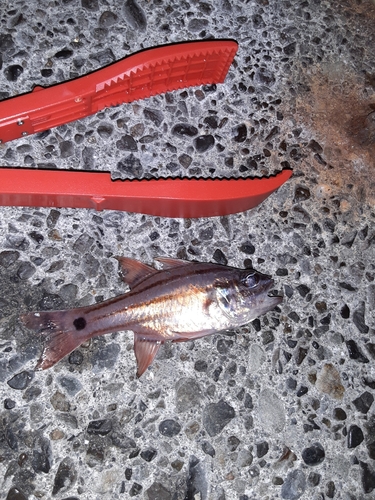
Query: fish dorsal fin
<point x="133" y="271"/>
<point x="169" y="263"/>
<point x="145" y="352"/>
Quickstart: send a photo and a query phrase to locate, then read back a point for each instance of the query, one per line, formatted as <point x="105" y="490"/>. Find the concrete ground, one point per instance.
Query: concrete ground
<point x="282" y="408"/>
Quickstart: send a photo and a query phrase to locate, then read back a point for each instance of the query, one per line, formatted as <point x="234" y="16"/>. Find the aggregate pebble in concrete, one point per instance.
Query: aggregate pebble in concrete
<point x="281" y="408"/>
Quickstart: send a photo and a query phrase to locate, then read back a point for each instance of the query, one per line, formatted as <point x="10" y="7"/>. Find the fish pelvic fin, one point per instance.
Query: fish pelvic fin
<point x="63" y="331"/>
<point x="145" y="352"/>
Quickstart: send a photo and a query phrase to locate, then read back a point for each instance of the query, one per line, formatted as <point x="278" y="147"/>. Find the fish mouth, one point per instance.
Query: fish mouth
<point x="273" y="294"/>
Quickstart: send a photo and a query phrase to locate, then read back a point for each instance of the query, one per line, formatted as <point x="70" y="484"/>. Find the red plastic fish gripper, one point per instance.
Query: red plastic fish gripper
<point x="138" y="76"/>
<point x="144" y="74"/>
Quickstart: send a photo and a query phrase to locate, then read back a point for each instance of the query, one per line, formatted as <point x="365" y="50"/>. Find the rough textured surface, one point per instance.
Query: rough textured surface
<point x="283" y="407"/>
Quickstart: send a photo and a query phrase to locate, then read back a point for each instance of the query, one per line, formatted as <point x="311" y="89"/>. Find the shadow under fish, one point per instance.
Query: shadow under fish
<point x="183" y="301"/>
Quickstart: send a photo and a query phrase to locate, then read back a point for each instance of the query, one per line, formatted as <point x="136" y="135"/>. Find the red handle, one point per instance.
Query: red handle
<point x="162" y="197"/>
<point x="138" y="76"/>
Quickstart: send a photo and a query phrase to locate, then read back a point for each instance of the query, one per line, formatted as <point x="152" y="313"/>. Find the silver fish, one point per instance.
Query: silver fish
<point x="183" y="301"/>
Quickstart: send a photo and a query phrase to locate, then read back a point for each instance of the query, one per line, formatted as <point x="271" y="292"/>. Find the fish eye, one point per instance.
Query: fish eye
<point x="251" y="280"/>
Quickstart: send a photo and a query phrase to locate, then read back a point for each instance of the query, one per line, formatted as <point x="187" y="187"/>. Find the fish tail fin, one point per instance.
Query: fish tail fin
<point x="63" y="332"/>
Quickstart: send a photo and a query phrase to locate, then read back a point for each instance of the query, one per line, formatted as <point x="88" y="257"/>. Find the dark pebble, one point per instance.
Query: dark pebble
<point x="267" y="337"/>
<point x="329" y="225"/>
<point x="196" y="25"/>
<point x="127" y="143"/>
<point x="106" y="356"/>
<point x="13" y="72"/>
<point x="135" y="490"/>
<point x="200" y="365"/>
<point x="83" y="244"/>
<point x="302" y="391"/>
<point x="69" y="292"/>
<point x="15" y="494"/>
<point x="371" y="450"/>
<point x="18" y="242"/>
<point x="264" y="77"/>
<point x="37" y="237"/>
<point x="203" y="143"/>
<point x="355" y="353"/>
<point x="363" y="402"/>
<point x="11" y="439"/>
<point x="315" y="147"/>
<point x="50" y="301"/>
<point x="339" y="414"/>
<point x="90" y="5"/>
<point x="154" y="115"/>
<point x="359" y="318"/>
<point x="330" y="489"/>
<point x="158" y="492"/>
<point x="369" y="382"/>
<point x="25" y="271"/>
<point x="371" y="349"/>
<point x="70" y="384"/>
<point x="21" y="380"/>
<point x="66" y="149"/>
<point x="273" y="133"/>
<point x="219" y="257"/>
<point x="223" y="345"/>
<point x="216" y="416"/>
<point x="100" y="427"/>
<point x="313" y="455"/>
<point x="42" y="457"/>
<point x="300" y="355"/>
<point x="290" y="49"/>
<point x="130" y="166"/>
<point x="6" y="42"/>
<point x="314" y="478"/>
<point x="105" y="131"/>
<point x="294" y="485"/>
<point x="211" y="121"/>
<point x="169" y="428"/>
<point x="107" y="19"/>
<point x="247" y="248"/>
<point x="184" y="130"/>
<point x="240" y="133"/>
<point x="303" y="290"/>
<point x="185" y="160"/>
<point x="301" y="194"/>
<point x="134" y="15"/>
<point x="104" y="57"/>
<point x="208" y="448"/>
<point x="65" y="476"/>
<point x="262" y="449"/>
<point x="9" y="404"/>
<point x="196" y="482"/>
<point x="368" y="477"/>
<point x="345" y="311"/>
<point x="148" y="455"/>
<point x="8" y="257"/>
<point x="233" y="443"/>
<point x="75" y="358"/>
<point x="355" y="436"/>
<point x="348" y="239"/>
<point x="291" y="383"/>
<point x="64" y="54"/>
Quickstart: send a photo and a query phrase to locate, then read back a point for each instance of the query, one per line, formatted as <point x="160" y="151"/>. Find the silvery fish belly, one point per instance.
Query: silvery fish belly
<point x="183" y="301"/>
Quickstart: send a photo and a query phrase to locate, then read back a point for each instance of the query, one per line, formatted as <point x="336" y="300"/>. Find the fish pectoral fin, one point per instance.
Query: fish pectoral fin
<point x="145" y="352"/>
<point x="133" y="271"/>
<point x="169" y="263"/>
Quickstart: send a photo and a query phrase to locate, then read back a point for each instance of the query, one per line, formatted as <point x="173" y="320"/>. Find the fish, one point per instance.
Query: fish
<point x="182" y="301"/>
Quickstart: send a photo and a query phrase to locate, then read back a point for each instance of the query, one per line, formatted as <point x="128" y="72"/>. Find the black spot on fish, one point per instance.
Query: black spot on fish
<point x="79" y="323"/>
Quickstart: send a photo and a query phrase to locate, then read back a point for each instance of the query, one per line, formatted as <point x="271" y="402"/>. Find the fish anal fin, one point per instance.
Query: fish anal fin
<point x="169" y="263"/>
<point x="133" y="271"/>
<point x="145" y="352"/>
